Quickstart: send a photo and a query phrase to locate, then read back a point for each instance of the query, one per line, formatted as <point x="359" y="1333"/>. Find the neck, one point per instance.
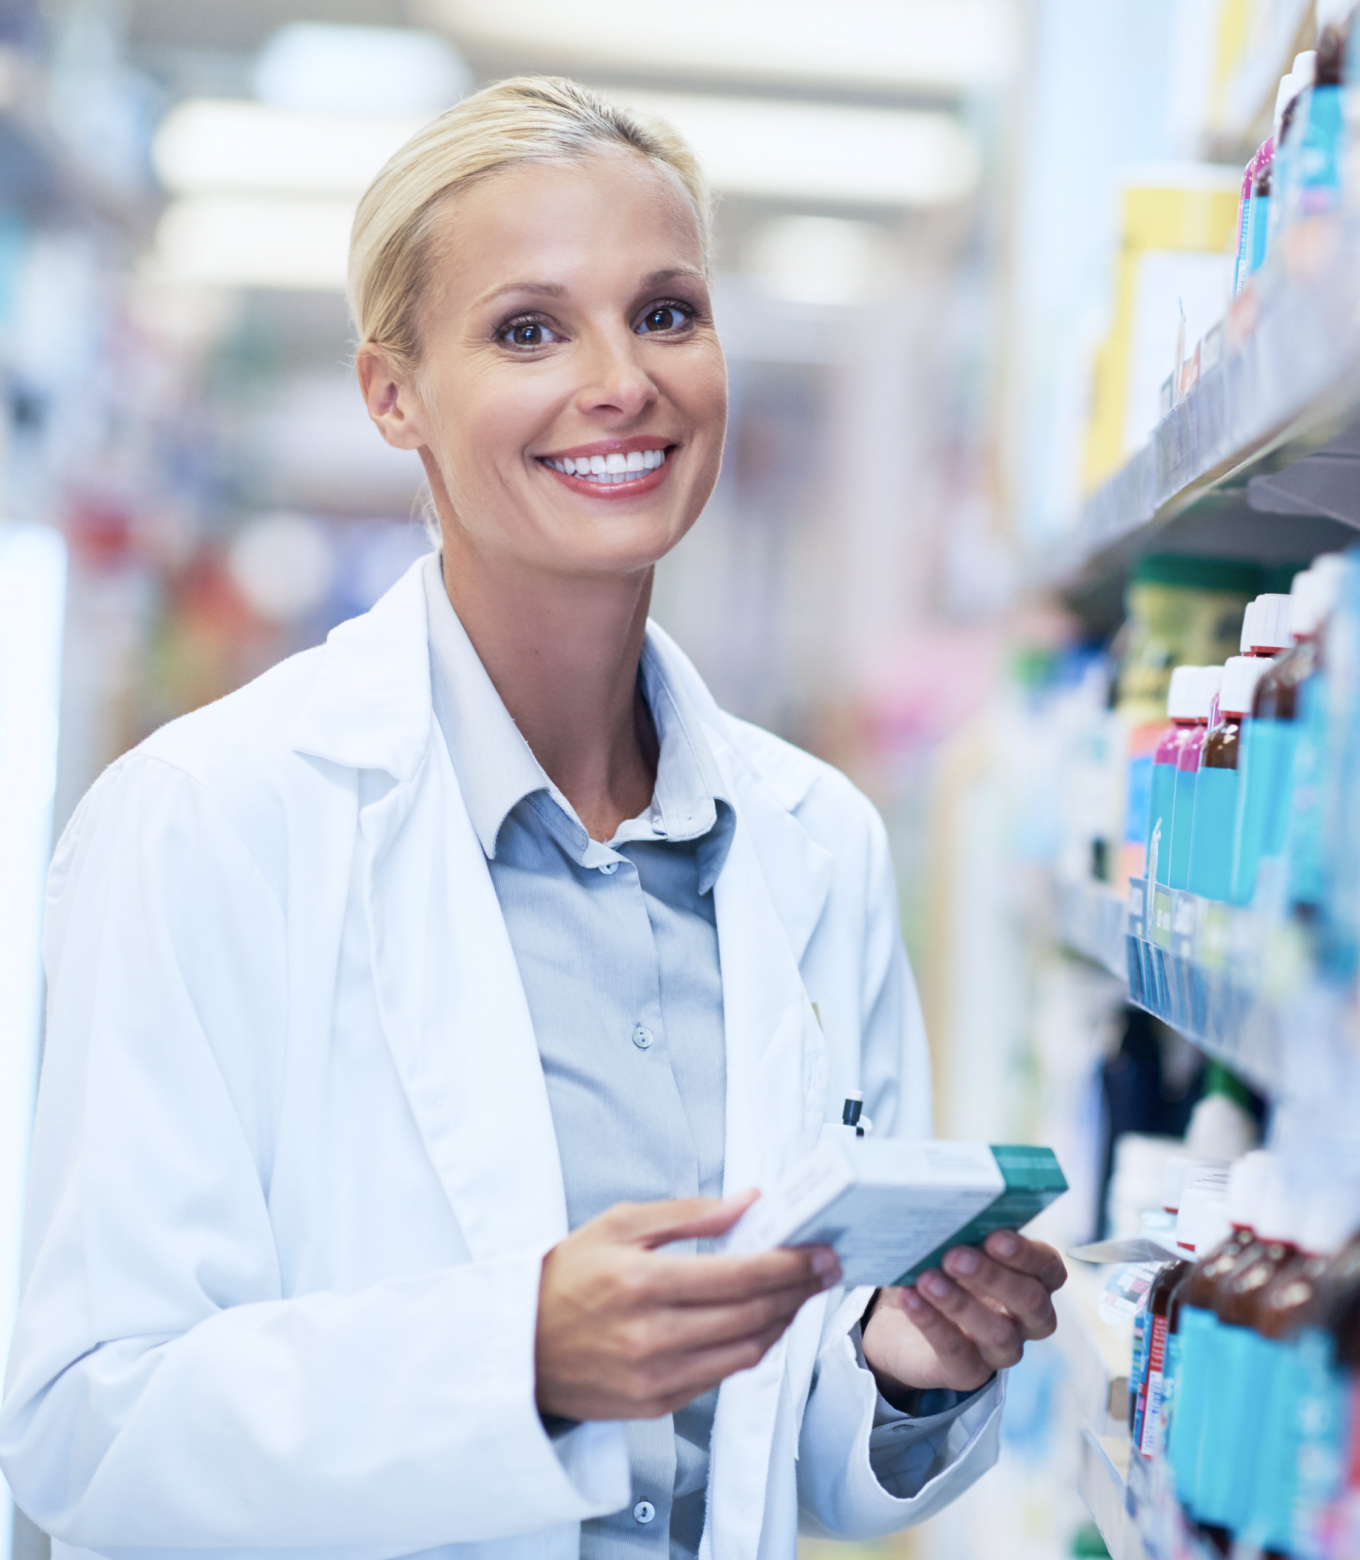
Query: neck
<point x="563" y="654"/>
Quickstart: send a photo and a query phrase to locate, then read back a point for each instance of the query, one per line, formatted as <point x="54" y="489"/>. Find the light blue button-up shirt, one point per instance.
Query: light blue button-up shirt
<point x="617" y="947"/>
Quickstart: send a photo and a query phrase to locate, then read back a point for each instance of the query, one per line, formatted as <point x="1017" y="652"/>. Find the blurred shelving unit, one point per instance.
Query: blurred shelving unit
<point x="1261" y="459"/>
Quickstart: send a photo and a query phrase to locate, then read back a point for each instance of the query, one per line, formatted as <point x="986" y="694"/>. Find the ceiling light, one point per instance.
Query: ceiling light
<point x="224" y="144"/>
<point x="938" y="44"/>
<point x="817" y="260"/>
<point x="320" y="67"/>
<point x="821" y="151"/>
<point x="261" y="241"/>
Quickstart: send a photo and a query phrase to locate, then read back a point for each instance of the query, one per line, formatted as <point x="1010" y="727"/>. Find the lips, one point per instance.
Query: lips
<point x="612" y="467"/>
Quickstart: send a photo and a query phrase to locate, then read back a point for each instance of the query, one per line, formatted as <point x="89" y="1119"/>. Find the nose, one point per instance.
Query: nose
<point x="615" y="380"/>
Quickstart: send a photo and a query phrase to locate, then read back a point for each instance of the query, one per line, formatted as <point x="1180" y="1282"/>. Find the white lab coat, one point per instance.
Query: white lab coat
<point x="294" y="1169"/>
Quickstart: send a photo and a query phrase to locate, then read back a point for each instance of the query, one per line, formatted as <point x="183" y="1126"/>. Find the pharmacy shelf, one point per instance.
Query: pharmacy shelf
<point x="1102" y="1479"/>
<point x="1261" y="458"/>
<point x="1218" y="974"/>
<point x="1090" y="919"/>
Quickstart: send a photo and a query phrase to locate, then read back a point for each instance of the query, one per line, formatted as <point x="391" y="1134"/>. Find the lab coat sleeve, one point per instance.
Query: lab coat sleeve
<point x="163" y="1393"/>
<point x="864" y="1469"/>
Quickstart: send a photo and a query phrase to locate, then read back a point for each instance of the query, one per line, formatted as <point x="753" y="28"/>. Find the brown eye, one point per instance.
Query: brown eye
<point x="527" y="334"/>
<point x="666" y="316"/>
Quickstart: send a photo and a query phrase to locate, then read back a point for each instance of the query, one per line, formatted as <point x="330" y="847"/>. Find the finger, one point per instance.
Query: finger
<point x="675" y="1218"/>
<point x="692" y="1329"/>
<point x="995" y="1336"/>
<point x="1028" y="1256"/>
<point x="964" y="1366"/>
<point x="1022" y="1297"/>
<point x="715" y="1280"/>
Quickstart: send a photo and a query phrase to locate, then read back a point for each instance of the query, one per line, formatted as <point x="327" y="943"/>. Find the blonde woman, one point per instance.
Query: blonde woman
<point x="419" y="1010"/>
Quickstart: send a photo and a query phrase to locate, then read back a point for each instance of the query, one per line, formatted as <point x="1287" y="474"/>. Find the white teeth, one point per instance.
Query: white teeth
<point x="609" y="469"/>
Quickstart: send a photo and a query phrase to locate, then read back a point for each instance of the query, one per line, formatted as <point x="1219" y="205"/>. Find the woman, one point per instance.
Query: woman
<point x="414" y="1008"/>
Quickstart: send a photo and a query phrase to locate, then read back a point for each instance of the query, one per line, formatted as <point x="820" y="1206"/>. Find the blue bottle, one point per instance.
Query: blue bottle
<point x="1215" y="809"/>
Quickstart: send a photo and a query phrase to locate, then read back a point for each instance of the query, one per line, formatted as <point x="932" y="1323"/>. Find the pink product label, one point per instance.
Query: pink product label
<point x="1188" y="757"/>
<point x="1168" y="746"/>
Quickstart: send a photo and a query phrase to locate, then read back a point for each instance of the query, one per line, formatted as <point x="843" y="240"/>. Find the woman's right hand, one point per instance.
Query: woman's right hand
<point x="628" y="1332"/>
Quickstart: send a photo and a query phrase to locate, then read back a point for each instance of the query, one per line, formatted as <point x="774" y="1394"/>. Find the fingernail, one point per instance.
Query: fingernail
<point x="963" y="1260"/>
<point x="832" y="1279"/>
<point x="824" y="1262"/>
<point x="934" y="1284"/>
<point x="1004" y="1244"/>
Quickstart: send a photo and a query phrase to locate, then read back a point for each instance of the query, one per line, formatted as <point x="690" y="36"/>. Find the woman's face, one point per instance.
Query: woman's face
<point x="572" y="397"/>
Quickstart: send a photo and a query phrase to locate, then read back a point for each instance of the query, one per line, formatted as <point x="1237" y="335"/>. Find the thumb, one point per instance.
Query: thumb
<point x="679" y="1218"/>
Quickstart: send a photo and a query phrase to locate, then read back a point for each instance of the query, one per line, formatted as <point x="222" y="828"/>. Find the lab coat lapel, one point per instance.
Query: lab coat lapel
<point x="449" y="992"/>
<point x="776" y="1088"/>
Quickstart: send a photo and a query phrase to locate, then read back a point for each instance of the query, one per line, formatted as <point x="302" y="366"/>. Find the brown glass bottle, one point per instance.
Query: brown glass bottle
<point x="1147" y="1440"/>
<point x="1238" y="1299"/>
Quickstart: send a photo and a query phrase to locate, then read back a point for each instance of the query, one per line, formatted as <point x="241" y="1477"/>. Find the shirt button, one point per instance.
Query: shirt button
<point x="644" y="1511"/>
<point x="609" y="868"/>
<point x="642" y="1038"/>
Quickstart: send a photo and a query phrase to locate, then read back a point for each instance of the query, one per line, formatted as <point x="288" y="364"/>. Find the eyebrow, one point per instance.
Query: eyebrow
<point x="556" y="290"/>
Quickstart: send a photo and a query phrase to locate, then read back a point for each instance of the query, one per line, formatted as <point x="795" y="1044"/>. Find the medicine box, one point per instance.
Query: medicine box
<point x="892" y="1207"/>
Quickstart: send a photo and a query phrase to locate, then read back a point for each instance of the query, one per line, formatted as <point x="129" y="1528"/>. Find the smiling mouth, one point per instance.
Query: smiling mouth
<point x="609" y="470"/>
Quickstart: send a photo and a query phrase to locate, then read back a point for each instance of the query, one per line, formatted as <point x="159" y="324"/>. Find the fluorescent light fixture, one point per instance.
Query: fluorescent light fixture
<point x="223" y="144"/>
<point x="821" y="151"/>
<point x="325" y="68"/>
<point x="937" y="44"/>
<point x="32" y="611"/>
<point x="816" y="260"/>
<point x="254" y="241"/>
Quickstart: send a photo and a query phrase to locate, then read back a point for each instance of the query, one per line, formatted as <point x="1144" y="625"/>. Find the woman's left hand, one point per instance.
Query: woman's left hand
<point x="958" y="1328"/>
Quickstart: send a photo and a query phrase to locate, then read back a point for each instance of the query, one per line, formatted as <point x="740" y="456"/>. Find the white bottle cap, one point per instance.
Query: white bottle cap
<point x="1305" y="69"/>
<point x="1280" y="1217"/>
<point x="1181" y="703"/>
<point x="1206" y="690"/>
<point x="1332" y="1216"/>
<point x="1248" y="628"/>
<point x="1333" y="13"/>
<point x="1178" y="1172"/>
<point x="1202" y="1221"/>
<point x="1265" y="628"/>
<point x="1246" y="1183"/>
<point x="1241" y="673"/>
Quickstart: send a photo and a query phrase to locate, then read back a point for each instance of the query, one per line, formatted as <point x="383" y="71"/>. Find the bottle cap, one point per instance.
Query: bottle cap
<point x="1246" y="1183"/>
<point x="1265" y="626"/>
<point x="1206" y="690"/>
<point x="1241" y="673"/>
<point x="1305" y="69"/>
<point x="1180" y="1170"/>
<point x="1202" y="1222"/>
<point x="1181" y="703"/>
<point x="1331" y="1217"/>
<point x="1280" y="1217"/>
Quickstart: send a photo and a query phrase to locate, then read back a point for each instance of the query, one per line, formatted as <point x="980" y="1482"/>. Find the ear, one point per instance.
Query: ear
<point x="391" y="399"/>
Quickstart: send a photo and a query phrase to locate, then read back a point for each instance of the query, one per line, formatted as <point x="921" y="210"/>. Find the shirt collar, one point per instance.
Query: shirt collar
<point x="496" y="768"/>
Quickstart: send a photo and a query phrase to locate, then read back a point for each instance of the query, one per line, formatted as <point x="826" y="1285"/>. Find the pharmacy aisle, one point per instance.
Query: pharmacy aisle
<point x="1149" y="879"/>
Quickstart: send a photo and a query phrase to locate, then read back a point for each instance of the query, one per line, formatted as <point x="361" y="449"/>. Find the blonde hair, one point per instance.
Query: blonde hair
<point x="523" y="119"/>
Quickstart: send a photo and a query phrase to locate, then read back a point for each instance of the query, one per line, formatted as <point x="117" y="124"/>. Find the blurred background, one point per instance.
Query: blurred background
<point x="946" y="330"/>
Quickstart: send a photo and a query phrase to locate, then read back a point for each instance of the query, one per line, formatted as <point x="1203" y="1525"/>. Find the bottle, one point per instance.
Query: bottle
<point x="1303" y="671"/>
<point x="1203" y="1230"/>
<point x="1288" y="123"/>
<point x="1223" y="1124"/>
<point x="1179" y="1172"/>
<point x="1264" y="748"/>
<point x="1204" y="686"/>
<point x="1315" y="178"/>
<point x="1215" y="816"/>
<point x="1258" y="220"/>
<point x="1288" y="1306"/>
<point x="1192" y="1321"/>
<point x="1340" y="906"/>
<point x="1240" y="1363"/>
<point x="1329" y="1350"/>
<point x="1148" y="1420"/>
<point x="1182" y="718"/>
